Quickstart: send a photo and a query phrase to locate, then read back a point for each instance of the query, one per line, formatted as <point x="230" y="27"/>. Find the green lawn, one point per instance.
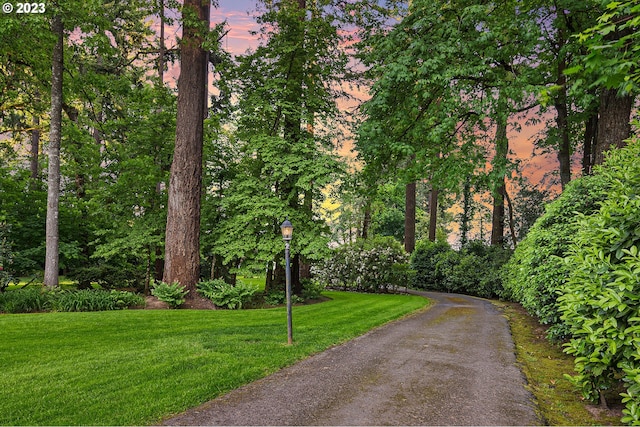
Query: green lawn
<point x="136" y="367"/>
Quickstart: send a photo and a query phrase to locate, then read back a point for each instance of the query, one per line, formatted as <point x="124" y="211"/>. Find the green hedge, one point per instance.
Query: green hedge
<point x="536" y="271"/>
<point x="473" y="270"/>
<point x="600" y="301"/>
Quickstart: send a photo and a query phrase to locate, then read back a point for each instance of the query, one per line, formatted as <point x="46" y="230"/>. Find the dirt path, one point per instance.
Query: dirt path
<point x="452" y="364"/>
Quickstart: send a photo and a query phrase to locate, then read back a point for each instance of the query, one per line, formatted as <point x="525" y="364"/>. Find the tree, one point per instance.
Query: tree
<point x="613" y="67"/>
<point x="575" y="112"/>
<point x="53" y="198"/>
<point x="286" y="112"/>
<point x="447" y="77"/>
<point x="410" y="217"/>
<point x="182" y="244"/>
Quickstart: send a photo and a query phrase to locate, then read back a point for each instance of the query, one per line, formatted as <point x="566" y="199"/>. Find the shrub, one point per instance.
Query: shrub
<point x="125" y="299"/>
<point x="27" y="300"/>
<point x="108" y="276"/>
<point x="423" y="262"/>
<point x="6" y="258"/>
<point x="222" y="294"/>
<point x="280" y="297"/>
<point x="474" y="270"/>
<point x="81" y="300"/>
<point x="600" y="301"/>
<point x="35" y="299"/>
<point x="373" y="265"/>
<point x="93" y="300"/>
<point x="536" y="271"/>
<point x="311" y="289"/>
<point x="173" y="294"/>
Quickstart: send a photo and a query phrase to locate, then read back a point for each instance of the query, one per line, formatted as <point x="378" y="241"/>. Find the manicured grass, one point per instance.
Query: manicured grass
<point x="136" y="367"/>
<point x="63" y="282"/>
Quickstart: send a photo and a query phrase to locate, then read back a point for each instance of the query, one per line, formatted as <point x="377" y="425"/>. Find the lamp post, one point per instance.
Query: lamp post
<point x="287" y="232"/>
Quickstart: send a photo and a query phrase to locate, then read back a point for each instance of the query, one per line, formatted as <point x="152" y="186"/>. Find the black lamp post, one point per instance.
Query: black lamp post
<point x="287" y="233"/>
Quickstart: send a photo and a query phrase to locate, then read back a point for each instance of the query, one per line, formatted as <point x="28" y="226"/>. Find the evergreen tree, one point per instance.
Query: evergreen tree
<point x="182" y="242"/>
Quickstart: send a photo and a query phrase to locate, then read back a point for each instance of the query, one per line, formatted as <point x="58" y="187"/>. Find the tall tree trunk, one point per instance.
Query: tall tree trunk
<point x="366" y="219"/>
<point x="182" y="244"/>
<point x="590" y="137"/>
<point x="162" y="48"/>
<point x="499" y="166"/>
<point x="614" y="122"/>
<point x="433" y="213"/>
<point x="292" y="127"/>
<point x="512" y="226"/>
<point x="562" y="114"/>
<point x="35" y="148"/>
<point x="410" y="217"/>
<point x="465" y="219"/>
<point x="156" y="252"/>
<point x="497" y="217"/>
<point x="52" y="255"/>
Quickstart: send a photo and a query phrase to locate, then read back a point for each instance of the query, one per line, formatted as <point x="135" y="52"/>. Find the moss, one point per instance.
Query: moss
<point x="544" y="364"/>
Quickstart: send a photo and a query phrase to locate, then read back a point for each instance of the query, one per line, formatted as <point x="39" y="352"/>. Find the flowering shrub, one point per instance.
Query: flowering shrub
<point x="375" y="265"/>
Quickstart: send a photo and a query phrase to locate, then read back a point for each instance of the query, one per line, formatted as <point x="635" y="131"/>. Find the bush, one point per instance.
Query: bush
<point x="373" y="265"/>
<point x="81" y="300"/>
<point x="27" y="300"/>
<point x="600" y="301"/>
<point x="311" y="289"/>
<point x="280" y="297"/>
<point x="108" y="276"/>
<point x="32" y="299"/>
<point x="423" y="262"/>
<point x="173" y="294"/>
<point x="222" y="294"/>
<point x="474" y="270"/>
<point x="536" y="271"/>
<point x="125" y="299"/>
<point x="94" y="300"/>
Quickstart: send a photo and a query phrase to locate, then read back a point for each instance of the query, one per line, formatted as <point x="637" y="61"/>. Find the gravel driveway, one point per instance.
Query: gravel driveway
<point x="451" y="364"/>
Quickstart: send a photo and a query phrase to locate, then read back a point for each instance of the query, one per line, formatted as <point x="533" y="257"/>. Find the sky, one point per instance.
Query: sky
<point x="240" y="22"/>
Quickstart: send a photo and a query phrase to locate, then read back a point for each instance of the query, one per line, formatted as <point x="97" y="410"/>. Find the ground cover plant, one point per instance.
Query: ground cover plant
<point x="225" y="295"/>
<point x="171" y="293"/>
<point x="134" y="367"/>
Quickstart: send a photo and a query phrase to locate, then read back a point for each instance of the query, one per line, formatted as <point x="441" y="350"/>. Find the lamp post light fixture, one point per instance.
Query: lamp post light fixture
<point x="287" y="233"/>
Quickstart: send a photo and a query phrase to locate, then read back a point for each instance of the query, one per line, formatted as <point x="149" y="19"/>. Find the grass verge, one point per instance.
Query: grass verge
<point x="136" y="367"/>
<point x="544" y="365"/>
